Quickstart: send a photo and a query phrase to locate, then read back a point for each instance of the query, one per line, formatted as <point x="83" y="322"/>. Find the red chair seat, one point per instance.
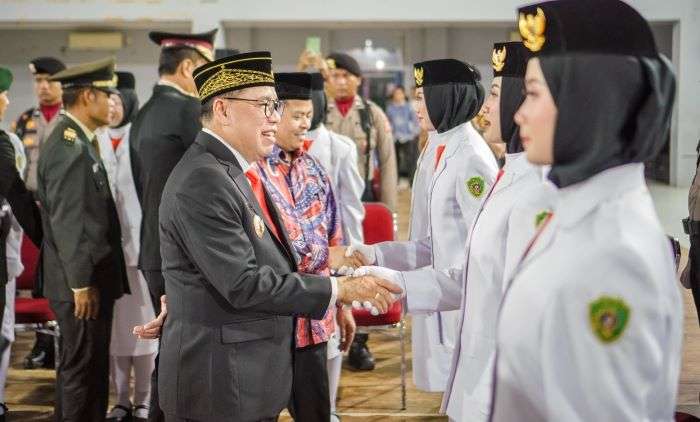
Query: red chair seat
<point x="365" y="319"/>
<point x="33" y="311"/>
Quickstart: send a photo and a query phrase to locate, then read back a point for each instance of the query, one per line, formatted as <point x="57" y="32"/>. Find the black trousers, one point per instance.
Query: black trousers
<point x="407" y="158"/>
<point x="310" y="397"/>
<point x="156" y="285"/>
<point x="82" y="376"/>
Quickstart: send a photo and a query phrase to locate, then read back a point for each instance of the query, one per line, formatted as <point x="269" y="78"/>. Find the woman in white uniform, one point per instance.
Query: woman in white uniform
<point x="498" y="236"/>
<point x="455" y="172"/>
<point x="126" y="351"/>
<point x="590" y="327"/>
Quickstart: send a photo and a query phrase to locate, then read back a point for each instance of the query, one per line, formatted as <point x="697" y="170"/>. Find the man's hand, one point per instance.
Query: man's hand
<point x="87" y="303"/>
<point x="368" y="290"/>
<point x="343" y="263"/>
<point x="346" y="322"/>
<point x="152" y="329"/>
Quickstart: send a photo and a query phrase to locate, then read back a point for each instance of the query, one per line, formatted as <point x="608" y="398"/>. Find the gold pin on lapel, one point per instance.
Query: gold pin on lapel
<point x="259" y="226"/>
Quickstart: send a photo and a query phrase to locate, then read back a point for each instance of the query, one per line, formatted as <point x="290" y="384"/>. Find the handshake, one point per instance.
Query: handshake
<point x="344" y="260"/>
<point x="372" y="288"/>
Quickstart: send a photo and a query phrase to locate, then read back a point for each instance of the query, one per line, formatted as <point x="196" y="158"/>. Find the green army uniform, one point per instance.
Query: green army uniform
<point x="81" y="249"/>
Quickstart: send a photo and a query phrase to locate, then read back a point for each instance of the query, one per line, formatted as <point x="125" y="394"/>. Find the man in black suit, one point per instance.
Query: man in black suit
<point x="227" y="343"/>
<point x="81" y="249"/>
<point x="161" y="133"/>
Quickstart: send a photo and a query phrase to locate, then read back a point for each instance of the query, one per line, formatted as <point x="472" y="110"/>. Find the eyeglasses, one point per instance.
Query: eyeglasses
<point x="270" y="105"/>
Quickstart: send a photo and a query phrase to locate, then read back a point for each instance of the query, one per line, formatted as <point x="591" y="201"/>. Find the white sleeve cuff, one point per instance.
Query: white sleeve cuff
<point x="334" y="292"/>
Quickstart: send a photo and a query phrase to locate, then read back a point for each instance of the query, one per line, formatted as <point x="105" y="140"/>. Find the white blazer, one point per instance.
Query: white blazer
<point x="463" y="174"/>
<point x="338" y="155"/>
<point x="449" y="208"/>
<point x="590" y="328"/>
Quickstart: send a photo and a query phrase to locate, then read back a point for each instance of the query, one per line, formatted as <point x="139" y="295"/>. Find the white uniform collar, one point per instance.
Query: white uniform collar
<point x="245" y="165"/>
<point x="445" y="136"/>
<point x="576" y="201"/>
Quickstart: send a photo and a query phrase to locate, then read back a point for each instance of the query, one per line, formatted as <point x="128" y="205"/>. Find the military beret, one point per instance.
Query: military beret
<point x="48" y="65"/>
<point x="5" y="79"/>
<point x="344" y="61"/>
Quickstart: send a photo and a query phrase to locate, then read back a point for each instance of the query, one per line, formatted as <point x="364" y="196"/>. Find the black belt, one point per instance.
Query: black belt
<point x="691" y="227"/>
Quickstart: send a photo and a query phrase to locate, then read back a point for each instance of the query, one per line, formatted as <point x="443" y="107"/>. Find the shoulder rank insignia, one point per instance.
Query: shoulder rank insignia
<point x="259" y="226"/>
<point x="70" y="135"/>
<point x="475" y="186"/>
<point x="19" y="162"/>
<point x="541" y="217"/>
<point x="608" y="317"/>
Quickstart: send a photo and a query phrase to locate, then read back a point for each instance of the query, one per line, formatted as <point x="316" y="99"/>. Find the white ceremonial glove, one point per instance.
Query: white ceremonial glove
<point x="385" y="273"/>
<point x="367" y="251"/>
<point x="345" y="270"/>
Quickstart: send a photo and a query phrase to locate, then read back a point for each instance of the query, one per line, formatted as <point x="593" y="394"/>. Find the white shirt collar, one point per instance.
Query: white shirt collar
<point x="177" y="87"/>
<point x="245" y="165"/>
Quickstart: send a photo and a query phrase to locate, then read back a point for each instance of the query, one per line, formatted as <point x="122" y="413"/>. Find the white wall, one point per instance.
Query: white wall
<point x="139" y="56"/>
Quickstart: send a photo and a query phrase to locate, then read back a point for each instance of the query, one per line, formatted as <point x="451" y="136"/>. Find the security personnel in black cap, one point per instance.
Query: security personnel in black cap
<point x="365" y="123"/>
<point x="161" y="133"/>
<point x="34" y="125"/>
<point x="81" y="250"/>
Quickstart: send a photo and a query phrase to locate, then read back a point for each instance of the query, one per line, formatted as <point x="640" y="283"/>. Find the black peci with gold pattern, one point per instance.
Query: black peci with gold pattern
<point x="234" y="73"/>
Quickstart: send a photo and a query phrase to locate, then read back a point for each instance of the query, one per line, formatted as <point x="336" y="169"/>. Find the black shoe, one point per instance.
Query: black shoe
<point x="360" y="358"/>
<point x="119" y="413"/>
<point x="140" y="407"/>
<point x="42" y="354"/>
<point x="2" y="417"/>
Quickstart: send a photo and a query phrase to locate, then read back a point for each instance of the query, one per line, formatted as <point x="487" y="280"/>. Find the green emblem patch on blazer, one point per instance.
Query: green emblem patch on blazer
<point x="541" y="217"/>
<point x="609" y="317"/>
<point x="475" y="186"/>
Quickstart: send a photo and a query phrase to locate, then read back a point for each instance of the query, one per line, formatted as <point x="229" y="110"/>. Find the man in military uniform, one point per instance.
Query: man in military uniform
<point x="365" y="123"/>
<point x="82" y="241"/>
<point x="161" y="133"/>
<point x="32" y="127"/>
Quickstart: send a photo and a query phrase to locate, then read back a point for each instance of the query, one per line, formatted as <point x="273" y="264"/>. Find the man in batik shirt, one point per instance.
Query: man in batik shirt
<point x="301" y="189"/>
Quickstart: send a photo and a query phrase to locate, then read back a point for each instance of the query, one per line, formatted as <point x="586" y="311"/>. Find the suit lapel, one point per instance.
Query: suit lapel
<point x="226" y="158"/>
